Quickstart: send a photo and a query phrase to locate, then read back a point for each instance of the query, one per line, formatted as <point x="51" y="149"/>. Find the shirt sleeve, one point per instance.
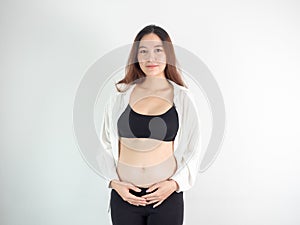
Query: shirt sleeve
<point x="188" y="161"/>
<point x="105" y="157"/>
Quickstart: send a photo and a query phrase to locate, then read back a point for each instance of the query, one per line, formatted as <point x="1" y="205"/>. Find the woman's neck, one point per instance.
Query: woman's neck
<point x="155" y="83"/>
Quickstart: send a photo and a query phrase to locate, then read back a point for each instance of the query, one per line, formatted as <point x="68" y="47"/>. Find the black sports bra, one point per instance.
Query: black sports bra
<point x="135" y="125"/>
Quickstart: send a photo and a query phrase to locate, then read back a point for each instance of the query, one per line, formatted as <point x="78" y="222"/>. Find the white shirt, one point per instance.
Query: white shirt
<point x="187" y="143"/>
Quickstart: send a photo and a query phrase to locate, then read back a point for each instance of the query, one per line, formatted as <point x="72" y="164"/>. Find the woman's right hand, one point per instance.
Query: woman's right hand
<point x="123" y="190"/>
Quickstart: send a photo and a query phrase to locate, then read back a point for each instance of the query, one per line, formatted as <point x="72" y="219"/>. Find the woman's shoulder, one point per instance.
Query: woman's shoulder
<point x="184" y="92"/>
<point x="115" y="95"/>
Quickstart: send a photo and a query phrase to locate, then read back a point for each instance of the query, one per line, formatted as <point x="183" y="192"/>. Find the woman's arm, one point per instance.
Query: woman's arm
<point x="188" y="161"/>
<point x="105" y="157"/>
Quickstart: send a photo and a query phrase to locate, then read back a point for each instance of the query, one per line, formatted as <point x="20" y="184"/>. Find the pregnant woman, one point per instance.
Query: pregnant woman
<point x="157" y="153"/>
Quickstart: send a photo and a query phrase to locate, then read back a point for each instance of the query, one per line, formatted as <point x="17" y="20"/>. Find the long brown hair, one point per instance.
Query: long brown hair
<point x="133" y="72"/>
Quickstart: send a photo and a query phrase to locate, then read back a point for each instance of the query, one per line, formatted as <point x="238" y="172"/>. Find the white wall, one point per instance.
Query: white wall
<point x="251" y="47"/>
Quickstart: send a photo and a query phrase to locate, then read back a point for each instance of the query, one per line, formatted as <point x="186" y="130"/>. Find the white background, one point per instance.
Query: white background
<point x="251" y="47"/>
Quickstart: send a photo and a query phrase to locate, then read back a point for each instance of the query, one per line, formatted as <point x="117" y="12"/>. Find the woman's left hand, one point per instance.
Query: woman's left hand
<point x="164" y="190"/>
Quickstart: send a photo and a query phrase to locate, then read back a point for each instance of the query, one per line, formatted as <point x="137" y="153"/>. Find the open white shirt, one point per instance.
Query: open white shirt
<point x="187" y="143"/>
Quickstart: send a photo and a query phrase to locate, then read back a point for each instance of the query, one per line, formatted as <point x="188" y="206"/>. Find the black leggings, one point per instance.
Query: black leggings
<point x="169" y="212"/>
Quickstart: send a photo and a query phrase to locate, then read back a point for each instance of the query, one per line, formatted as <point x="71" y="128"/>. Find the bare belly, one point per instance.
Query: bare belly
<point x="144" y="161"/>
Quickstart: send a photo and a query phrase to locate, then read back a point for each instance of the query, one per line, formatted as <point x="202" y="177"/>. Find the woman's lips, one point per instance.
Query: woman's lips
<point x="152" y="66"/>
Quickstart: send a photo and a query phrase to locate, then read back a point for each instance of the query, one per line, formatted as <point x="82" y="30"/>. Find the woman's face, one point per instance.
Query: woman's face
<point x="151" y="56"/>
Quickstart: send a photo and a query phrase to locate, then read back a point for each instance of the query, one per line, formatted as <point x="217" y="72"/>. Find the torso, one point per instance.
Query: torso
<point x="147" y="102"/>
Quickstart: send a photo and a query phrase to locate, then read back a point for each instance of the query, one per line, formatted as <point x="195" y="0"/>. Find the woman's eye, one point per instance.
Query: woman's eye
<point x="158" y="50"/>
<point x="142" y="51"/>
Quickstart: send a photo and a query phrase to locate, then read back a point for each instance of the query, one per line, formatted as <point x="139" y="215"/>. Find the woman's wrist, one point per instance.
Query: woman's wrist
<point x="111" y="184"/>
<point x="176" y="186"/>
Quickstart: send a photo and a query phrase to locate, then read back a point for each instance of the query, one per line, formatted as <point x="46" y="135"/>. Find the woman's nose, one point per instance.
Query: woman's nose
<point x="151" y="56"/>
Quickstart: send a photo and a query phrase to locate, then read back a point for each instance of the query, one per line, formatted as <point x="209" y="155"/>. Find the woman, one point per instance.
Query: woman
<point x="151" y="134"/>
